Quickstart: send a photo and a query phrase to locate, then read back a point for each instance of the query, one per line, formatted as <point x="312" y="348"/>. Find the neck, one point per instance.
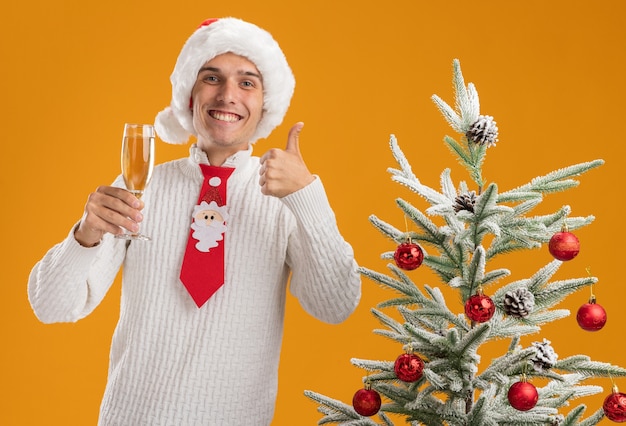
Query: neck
<point x="217" y="155"/>
<point x="217" y="158"/>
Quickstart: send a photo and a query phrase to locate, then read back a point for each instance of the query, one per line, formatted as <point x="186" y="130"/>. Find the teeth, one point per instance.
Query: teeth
<point x="224" y="116"/>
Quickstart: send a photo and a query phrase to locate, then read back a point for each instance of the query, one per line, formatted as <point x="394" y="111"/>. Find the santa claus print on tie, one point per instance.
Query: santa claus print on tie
<point x="209" y="218"/>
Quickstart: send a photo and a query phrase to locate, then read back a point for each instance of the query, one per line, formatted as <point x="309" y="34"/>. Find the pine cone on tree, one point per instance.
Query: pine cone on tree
<point x="465" y="202"/>
<point x="483" y="131"/>
<point x="545" y="358"/>
<point x="519" y="303"/>
<point x="557" y="420"/>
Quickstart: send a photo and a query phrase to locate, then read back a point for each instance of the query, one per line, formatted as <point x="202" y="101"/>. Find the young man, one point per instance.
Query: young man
<point x="200" y="328"/>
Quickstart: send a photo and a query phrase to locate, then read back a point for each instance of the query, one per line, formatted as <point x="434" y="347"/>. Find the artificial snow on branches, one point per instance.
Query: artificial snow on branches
<point x="461" y="230"/>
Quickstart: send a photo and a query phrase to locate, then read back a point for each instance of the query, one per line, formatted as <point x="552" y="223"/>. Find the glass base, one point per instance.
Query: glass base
<point x="138" y="237"/>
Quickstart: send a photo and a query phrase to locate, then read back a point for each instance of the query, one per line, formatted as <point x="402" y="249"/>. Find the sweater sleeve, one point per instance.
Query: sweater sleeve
<point x="324" y="276"/>
<point x="71" y="280"/>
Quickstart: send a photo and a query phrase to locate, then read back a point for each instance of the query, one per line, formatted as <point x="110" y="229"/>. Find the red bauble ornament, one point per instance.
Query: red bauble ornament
<point x="564" y="245"/>
<point x="591" y="316"/>
<point x="479" y="308"/>
<point x="408" y="367"/>
<point x="366" y="401"/>
<point x="408" y="256"/>
<point x="523" y="395"/>
<point x="615" y="406"/>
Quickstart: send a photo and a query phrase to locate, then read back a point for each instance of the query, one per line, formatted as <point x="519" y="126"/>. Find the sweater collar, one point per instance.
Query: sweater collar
<point x="198" y="156"/>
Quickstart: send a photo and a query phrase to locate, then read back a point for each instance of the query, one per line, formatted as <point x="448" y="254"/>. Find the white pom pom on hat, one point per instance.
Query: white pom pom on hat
<point x="216" y="36"/>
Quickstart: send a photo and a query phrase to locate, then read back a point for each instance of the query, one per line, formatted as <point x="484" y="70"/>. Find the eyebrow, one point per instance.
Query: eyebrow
<point x="247" y="73"/>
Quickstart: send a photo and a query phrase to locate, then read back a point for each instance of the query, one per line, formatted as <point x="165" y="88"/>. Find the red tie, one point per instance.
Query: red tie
<point x="202" y="272"/>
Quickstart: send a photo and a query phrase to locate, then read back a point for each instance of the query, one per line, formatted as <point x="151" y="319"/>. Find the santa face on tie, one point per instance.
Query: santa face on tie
<point x="208" y="225"/>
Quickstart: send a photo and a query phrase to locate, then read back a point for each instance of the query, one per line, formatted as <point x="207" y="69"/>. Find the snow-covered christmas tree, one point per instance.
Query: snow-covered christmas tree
<point x="439" y="378"/>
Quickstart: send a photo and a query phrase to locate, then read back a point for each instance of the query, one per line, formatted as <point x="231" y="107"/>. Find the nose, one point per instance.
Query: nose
<point x="227" y="93"/>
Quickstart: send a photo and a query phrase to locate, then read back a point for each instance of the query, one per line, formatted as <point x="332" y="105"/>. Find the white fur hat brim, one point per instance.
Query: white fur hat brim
<point x="175" y="123"/>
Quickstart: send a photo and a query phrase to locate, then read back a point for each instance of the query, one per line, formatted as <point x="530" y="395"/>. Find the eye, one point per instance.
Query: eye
<point x="210" y="78"/>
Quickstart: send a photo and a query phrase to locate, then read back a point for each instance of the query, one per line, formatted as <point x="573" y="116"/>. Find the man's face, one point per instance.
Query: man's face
<point x="227" y="102"/>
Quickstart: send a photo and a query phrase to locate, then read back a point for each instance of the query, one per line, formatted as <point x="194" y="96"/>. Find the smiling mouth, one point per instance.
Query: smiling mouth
<point x="228" y="117"/>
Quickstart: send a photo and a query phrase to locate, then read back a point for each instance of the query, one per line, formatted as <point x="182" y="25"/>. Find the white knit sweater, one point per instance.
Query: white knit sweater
<point x="172" y="363"/>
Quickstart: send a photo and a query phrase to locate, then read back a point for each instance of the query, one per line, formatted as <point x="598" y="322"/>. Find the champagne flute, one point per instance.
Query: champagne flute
<point x="137" y="164"/>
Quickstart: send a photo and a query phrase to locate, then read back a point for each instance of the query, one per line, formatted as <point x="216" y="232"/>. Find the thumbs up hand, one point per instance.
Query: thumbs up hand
<point x="284" y="171"/>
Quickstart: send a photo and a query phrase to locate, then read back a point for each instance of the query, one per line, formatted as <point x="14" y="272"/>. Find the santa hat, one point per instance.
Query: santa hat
<point x="212" y="193"/>
<point x="216" y="36"/>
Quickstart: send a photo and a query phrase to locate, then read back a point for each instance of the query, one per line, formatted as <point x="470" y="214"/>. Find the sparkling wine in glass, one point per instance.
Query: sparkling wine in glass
<point x="137" y="163"/>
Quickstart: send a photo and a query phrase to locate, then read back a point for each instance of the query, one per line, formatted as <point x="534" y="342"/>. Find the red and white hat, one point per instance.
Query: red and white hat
<point x="216" y="36"/>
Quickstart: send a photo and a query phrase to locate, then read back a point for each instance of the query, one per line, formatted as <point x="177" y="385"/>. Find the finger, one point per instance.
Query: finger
<point x="107" y="202"/>
<point x="118" y="199"/>
<point x="121" y="194"/>
<point x="293" y="139"/>
<point x="264" y="185"/>
<point x="119" y="215"/>
<point x="100" y="225"/>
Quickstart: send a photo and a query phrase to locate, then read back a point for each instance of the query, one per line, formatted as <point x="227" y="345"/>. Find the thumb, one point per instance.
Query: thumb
<point x="293" y="139"/>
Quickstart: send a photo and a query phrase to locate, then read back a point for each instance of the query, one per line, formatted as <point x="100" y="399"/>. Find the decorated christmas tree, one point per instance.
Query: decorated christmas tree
<point x="439" y="377"/>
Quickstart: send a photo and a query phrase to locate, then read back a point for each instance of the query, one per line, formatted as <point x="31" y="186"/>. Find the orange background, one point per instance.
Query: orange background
<point x="551" y="73"/>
